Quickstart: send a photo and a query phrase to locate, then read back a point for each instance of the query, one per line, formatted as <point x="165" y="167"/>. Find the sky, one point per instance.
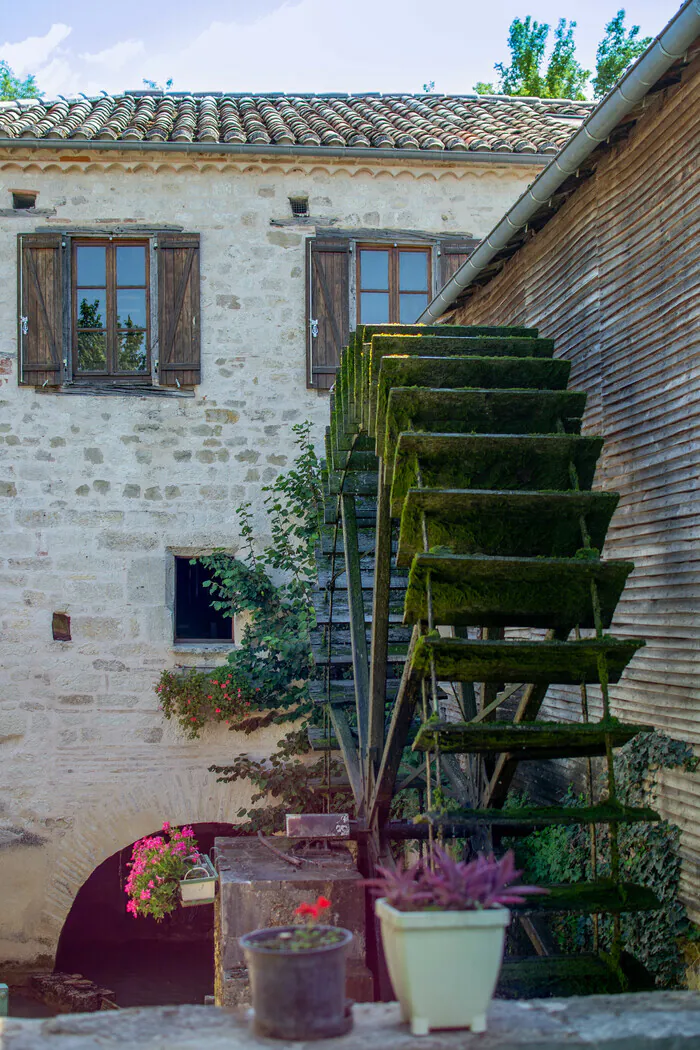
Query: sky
<point x="91" y="46"/>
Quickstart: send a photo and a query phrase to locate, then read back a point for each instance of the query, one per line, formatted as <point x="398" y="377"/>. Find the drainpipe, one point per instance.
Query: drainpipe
<point x="670" y="45"/>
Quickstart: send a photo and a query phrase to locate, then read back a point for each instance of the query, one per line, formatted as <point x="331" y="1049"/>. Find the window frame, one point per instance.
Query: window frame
<point x="112" y="373"/>
<point x="394" y="290"/>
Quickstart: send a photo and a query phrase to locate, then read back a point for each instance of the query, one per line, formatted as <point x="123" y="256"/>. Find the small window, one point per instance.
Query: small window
<point x="393" y="284"/>
<point x="299" y="205"/>
<point x="111" y="309"/>
<point x="195" y="618"/>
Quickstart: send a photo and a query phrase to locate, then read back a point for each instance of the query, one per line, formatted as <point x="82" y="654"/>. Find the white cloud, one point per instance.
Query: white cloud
<point x="312" y="45"/>
<point x="28" y="55"/>
<point x="116" y="57"/>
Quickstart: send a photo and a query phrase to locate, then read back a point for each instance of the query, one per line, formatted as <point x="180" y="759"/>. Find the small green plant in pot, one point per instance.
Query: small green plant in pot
<point x="297" y="977"/>
<point x="443" y="929"/>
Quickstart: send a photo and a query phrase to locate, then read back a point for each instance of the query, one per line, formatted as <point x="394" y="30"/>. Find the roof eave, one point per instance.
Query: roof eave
<point x="431" y="156"/>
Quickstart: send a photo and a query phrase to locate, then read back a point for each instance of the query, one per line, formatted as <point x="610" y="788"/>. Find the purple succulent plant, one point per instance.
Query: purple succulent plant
<point x="454" y="885"/>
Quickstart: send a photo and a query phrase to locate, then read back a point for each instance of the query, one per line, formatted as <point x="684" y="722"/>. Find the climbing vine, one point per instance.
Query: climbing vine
<point x="648" y="854"/>
<point x="264" y="679"/>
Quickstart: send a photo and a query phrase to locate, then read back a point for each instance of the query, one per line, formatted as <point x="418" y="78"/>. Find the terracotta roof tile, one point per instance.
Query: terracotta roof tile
<point x="482" y="123"/>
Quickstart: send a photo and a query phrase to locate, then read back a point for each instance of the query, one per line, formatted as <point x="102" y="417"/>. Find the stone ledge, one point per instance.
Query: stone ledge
<point x="648" y="1021"/>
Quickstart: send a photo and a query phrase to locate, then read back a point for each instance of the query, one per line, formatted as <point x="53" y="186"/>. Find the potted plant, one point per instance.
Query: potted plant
<point x="297" y="977"/>
<point x="165" y="872"/>
<point x="443" y="929"/>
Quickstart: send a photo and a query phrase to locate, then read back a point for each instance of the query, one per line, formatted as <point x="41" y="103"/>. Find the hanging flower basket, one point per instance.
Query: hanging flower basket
<point x="199" y="883"/>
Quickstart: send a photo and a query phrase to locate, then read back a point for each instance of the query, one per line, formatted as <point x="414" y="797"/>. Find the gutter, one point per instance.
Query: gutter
<point x="670" y="45"/>
<point x="247" y="150"/>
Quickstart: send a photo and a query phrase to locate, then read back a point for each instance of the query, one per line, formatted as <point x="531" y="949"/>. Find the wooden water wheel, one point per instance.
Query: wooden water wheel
<point x="460" y="577"/>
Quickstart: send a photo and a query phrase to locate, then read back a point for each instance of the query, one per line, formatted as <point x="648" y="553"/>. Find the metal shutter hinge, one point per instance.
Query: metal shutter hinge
<point x="314" y="327"/>
<point x="24" y="321"/>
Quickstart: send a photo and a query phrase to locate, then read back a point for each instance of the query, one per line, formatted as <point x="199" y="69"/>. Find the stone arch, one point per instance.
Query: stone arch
<point x="119" y="817"/>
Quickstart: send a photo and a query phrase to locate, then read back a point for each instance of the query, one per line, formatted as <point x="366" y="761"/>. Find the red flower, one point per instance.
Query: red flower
<point x="322" y="903"/>
<point x="307" y="909"/>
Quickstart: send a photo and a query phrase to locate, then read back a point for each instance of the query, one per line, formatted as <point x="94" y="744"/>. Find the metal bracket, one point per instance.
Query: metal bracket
<point x="314" y="327"/>
<point x="24" y="321"/>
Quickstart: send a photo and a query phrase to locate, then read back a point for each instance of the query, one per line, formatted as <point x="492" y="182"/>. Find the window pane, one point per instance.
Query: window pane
<point x="374" y="270"/>
<point x="411" y="307"/>
<point x="132" y="351"/>
<point x="413" y="271"/>
<point x="131" y="265"/>
<point x="92" y="351"/>
<point x="131" y="308"/>
<point x="194" y="617"/>
<point x="92" y="308"/>
<point x="374" y="307"/>
<point x="92" y="265"/>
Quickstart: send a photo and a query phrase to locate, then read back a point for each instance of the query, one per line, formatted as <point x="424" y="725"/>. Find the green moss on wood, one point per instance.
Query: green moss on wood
<point x="513" y="524"/>
<point x="511" y="660"/>
<point x="526" y="740"/>
<point x="478" y="412"/>
<point x="543" y="816"/>
<point x="492" y="461"/>
<point x="479" y="372"/>
<point x="501" y="592"/>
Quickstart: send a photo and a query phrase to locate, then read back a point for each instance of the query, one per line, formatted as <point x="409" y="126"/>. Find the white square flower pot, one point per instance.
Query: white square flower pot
<point x="443" y="965"/>
<point x="199" y="884"/>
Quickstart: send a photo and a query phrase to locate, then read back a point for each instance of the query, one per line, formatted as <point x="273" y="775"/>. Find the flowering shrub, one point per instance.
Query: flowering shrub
<point x="453" y="885"/>
<point x="198" y="697"/>
<point x="157" y="864"/>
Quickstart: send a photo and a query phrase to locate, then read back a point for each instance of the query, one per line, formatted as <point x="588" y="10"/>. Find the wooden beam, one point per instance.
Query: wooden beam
<point x="396" y="738"/>
<point x="380" y="629"/>
<point x="358" y="636"/>
<point x="350" y="756"/>
<point x="528" y="709"/>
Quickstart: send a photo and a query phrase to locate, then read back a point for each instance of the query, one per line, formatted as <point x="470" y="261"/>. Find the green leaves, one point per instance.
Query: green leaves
<point x="560" y="75"/>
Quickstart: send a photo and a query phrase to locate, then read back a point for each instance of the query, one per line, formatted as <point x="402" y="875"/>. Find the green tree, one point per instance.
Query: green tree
<point x="618" y="48"/>
<point x="12" y="86"/>
<point x="563" y="76"/>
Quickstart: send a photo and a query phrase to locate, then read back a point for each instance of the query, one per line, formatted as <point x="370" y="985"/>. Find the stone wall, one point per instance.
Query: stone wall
<point x="97" y="493"/>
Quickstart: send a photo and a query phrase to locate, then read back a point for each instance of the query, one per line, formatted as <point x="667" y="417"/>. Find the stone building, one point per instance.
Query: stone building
<point x="177" y="275"/>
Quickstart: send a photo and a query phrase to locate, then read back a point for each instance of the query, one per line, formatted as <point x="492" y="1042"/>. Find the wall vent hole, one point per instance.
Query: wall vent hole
<point x="300" y="205"/>
<point x="60" y="627"/>
<point x="23" y="200"/>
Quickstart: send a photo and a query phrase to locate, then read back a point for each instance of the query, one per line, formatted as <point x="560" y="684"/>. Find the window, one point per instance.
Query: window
<point x="117" y="311"/>
<point x="393" y="284"/>
<point x="195" y="618"/>
<point x="111" y="306"/>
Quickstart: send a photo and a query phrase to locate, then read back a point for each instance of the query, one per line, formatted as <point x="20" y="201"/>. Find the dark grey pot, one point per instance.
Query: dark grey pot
<point x="297" y="995"/>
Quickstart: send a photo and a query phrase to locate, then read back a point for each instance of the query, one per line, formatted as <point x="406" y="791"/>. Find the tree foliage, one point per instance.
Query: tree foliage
<point x="618" y="48"/>
<point x="562" y="77"/>
<point x="532" y="73"/>
<point x="12" y="86"/>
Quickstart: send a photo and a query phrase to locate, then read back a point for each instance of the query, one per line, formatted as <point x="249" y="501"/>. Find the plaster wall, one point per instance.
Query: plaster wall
<point x="97" y="492"/>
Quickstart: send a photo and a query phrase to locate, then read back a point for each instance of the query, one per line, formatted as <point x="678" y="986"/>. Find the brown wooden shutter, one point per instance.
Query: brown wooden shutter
<point x="40" y="302"/>
<point x="452" y="256"/>
<point x="179" y="359"/>
<point x="328" y="268"/>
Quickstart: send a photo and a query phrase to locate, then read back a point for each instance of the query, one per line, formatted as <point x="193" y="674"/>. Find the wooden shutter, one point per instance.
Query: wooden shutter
<point x="40" y="302"/>
<point x="452" y="256"/>
<point x="328" y="268"/>
<point x="179" y="359"/>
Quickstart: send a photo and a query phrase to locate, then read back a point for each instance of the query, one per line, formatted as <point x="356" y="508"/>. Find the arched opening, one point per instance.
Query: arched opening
<point x="144" y="962"/>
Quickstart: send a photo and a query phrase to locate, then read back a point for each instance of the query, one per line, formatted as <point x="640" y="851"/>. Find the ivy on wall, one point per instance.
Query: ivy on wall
<point x="648" y="856"/>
